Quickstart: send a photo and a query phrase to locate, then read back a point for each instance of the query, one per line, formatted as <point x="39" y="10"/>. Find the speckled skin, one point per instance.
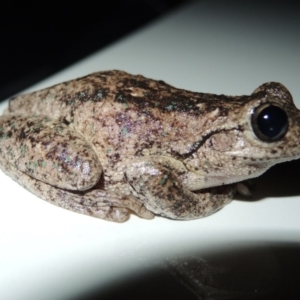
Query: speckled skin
<point x="110" y="144"/>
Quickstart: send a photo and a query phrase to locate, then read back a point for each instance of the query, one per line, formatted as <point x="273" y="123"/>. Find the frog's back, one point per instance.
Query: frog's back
<point x="61" y="101"/>
<point x="118" y="86"/>
<point x="113" y="109"/>
<point x="146" y="116"/>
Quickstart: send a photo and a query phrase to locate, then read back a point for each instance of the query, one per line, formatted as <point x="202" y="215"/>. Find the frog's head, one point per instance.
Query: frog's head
<point x="271" y="131"/>
<point x="261" y="130"/>
<point x="274" y="116"/>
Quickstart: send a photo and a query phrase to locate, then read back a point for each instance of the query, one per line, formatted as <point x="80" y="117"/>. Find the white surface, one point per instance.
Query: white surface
<point x="50" y="253"/>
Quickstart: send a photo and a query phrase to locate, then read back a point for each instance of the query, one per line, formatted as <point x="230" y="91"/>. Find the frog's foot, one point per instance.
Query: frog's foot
<point x="117" y="208"/>
<point x="162" y="192"/>
<point x="96" y="203"/>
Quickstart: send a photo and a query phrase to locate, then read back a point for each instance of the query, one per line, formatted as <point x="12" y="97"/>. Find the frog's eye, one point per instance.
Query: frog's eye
<point x="269" y="123"/>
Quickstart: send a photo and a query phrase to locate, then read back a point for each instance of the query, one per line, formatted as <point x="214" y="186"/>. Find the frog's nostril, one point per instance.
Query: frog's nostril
<point x="269" y="123"/>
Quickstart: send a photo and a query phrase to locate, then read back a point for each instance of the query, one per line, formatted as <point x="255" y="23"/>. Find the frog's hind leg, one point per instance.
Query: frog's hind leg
<point x="95" y="203"/>
<point x="49" y="151"/>
<point x="55" y="163"/>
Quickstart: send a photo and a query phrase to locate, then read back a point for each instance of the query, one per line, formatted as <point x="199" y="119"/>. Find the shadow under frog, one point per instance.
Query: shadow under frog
<point x="111" y="143"/>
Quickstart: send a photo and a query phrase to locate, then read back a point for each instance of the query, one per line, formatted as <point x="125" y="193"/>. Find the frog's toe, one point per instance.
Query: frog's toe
<point x="122" y="214"/>
<point x="114" y="214"/>
<point x="244" y="188"/>
<point x="118" y="214"/>
<point x="145" y="213"/>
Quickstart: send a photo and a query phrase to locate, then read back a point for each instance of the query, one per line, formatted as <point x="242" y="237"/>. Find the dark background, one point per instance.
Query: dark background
<point x="39" y="38"/>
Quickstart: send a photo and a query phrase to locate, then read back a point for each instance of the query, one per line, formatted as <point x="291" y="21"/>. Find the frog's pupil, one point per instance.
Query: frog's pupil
<point x="272" y="122"/>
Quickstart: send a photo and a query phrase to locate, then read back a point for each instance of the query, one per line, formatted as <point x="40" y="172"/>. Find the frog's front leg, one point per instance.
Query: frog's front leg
<point x="55" y="163"/>
<point x="157" y="182"/>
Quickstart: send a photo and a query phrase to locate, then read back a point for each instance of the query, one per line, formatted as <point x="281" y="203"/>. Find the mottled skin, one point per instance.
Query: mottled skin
<point x="112" y="143"/>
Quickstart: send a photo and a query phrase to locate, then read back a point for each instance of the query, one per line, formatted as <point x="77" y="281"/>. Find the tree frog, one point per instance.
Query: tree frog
<point x="110" y="144"/>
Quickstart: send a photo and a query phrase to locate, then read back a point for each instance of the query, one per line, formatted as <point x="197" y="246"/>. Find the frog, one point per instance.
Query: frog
<point x="112" y="144"/>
